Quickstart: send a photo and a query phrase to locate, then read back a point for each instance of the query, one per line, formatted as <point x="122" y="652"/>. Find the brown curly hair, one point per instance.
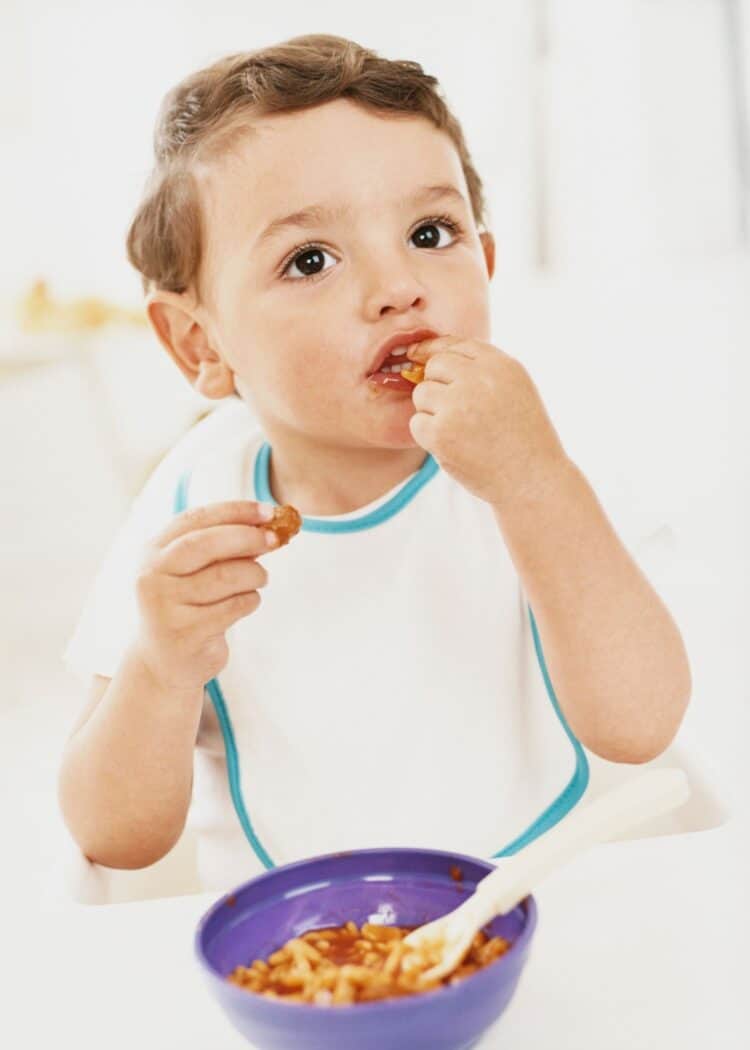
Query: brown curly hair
<point x="202" y="117"/>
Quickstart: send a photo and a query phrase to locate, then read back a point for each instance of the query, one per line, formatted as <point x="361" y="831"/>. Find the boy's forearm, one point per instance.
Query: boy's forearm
<point x="615" y="655"/>
<point x="126" y="776"/>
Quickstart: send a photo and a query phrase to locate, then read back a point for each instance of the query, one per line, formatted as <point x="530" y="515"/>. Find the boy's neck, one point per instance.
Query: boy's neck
<point x="323" y="480"/>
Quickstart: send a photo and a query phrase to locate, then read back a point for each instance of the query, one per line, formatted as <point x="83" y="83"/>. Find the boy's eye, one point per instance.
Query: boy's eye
<point x="309" y="259"/>
<point x="309" y="262"/>
<point x="429" y="236"/>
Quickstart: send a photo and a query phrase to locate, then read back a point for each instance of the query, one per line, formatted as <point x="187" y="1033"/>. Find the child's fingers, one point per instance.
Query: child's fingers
<point x="233" y="512"/>
<point x="448" y="344"/>
<point x="422" y="427"/>
<point x="193" y="551"/>
<point x="220" y="581"/>
<point x="446" y="368"/>
<point x="216" y="618"/>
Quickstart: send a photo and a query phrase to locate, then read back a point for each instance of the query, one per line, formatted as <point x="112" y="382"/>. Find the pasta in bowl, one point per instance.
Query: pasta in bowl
<point x="318" y="934"/>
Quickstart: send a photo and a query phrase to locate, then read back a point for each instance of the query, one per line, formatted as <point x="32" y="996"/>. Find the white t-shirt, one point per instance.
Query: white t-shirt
<point x="388" y="691"/>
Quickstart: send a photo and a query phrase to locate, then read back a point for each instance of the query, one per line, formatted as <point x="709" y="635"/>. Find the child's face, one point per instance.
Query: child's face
<point x="299" y="349"/>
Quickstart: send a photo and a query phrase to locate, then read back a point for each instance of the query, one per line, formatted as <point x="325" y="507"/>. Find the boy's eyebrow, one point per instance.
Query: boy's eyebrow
<point x="319" y="213"/>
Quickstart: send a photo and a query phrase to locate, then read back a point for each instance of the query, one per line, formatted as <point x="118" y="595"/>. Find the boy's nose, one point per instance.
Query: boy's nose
<point x="391" y="287"/>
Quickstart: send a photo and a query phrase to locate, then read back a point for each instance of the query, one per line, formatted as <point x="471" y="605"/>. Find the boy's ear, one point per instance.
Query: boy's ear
<point x="488" y="245"/>
<point x="174" y="320"/>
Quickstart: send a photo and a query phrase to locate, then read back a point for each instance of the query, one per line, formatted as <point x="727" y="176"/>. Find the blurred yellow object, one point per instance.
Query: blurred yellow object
<point x="415" y="374"/>
<point x="38" y="312"/>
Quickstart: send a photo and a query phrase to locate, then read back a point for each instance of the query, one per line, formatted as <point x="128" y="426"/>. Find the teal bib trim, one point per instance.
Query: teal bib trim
<point x="233" y="769"/>
<point x="578" y="782"/>
<point x="217" y="698"/>
<point x="549" y="817"/>
<point x="368" y="521"/>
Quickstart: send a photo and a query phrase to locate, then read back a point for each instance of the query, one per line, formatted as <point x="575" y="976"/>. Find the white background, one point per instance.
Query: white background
<point x="610" y="138"/>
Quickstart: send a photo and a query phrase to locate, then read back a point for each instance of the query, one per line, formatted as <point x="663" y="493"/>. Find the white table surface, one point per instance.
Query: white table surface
<point x="640" y="944"/>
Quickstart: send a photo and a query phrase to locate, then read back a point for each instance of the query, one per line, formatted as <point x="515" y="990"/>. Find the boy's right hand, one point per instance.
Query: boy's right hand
<point x="198" y="577"/>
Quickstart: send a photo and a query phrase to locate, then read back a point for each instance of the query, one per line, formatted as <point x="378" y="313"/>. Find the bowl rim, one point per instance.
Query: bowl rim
<point x="272" y="1006"/>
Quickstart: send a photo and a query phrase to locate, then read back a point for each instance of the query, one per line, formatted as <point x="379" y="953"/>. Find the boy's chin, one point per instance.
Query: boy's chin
<point x="396" y="437"/>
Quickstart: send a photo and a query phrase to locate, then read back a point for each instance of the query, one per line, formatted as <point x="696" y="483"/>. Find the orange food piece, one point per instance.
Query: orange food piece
<point x="286" y="522"/>
<point x="415" y="374"/>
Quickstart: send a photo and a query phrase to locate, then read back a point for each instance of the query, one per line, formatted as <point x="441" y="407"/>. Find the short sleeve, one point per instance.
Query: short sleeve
<point x="109" y="619"/>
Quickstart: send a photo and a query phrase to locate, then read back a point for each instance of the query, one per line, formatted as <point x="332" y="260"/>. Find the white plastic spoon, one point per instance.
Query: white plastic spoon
<point x="446" y="940"/>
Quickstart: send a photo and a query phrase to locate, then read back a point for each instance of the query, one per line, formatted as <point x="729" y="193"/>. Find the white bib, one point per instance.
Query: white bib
<point x="387" y="692"/>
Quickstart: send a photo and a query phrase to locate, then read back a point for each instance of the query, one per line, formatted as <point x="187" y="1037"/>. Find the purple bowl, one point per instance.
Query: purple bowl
<point x="395" y="887"/>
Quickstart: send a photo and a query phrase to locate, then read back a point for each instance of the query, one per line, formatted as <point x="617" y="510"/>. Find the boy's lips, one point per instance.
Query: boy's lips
<point x="390" y="381"/>
<point x="384" y="354"/>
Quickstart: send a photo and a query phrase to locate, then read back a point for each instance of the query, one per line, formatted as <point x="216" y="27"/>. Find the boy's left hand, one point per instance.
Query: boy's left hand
<point x="481" y="417"/>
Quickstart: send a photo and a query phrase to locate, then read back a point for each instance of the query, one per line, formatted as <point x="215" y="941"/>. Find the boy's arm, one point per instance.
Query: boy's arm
<point x="126" y="775"/>
<point x="614" y="653"/>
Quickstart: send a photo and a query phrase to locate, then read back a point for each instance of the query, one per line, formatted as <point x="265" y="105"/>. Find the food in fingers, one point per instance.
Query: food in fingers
<point x="415" y="374"/>
<point x="286" y="522"/>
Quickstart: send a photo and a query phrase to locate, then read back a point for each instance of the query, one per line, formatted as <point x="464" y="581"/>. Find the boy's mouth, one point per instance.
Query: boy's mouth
<point x="391" y="361"/>
<point x="389" y="375"/>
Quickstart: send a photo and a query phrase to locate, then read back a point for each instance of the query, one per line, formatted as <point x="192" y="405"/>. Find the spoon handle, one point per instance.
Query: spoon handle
<point x="654" y="792"/>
